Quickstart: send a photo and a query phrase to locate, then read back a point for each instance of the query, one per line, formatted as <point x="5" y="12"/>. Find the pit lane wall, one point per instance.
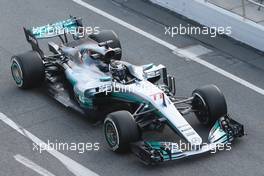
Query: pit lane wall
<point x="207" y="14"/>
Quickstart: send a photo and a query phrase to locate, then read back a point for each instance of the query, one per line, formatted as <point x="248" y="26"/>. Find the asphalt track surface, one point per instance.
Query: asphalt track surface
<point x="49" y="121"/>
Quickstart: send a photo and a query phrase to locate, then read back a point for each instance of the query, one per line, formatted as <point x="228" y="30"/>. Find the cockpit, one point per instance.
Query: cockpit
<point x="97" y="61"/>
<point x="120" y="72"/>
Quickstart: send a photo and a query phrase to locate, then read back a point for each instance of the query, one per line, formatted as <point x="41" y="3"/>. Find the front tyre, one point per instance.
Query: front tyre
<point x="120" y="129"/>
<point x="27" y="70"/>
<point x="209" y="104"/>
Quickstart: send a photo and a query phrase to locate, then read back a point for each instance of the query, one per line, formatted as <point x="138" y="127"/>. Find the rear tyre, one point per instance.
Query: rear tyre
<point x="120" y="129"/>
<point x="108" y="35"/>
<point x="27" y="70"/>
<point x="210" y="104"/>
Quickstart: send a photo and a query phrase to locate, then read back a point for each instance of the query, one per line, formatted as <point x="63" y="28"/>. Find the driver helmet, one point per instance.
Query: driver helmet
<point x="118" y="70"/>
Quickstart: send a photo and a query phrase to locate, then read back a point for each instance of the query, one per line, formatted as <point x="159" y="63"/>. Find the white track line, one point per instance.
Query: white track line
<point x="30" y="164"/>
<point x="175" y="49"/>
<point x="73" y="166"/>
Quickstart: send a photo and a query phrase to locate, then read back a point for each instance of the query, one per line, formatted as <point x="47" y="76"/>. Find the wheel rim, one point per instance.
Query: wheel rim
<point x="17" y="73"/>
<point x="111" y="134"/>
<point x="202" y="110"/>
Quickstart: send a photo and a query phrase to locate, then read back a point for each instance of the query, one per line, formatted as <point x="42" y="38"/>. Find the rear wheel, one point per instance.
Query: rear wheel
<point x="27" y="70"/>
<point x="209" y="103"/>
<point x="120" y="129"/>
<point x="108" y="35"/>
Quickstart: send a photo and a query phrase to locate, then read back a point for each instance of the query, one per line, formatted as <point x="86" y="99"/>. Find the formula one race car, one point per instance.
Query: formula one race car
<point x="87" y="75"/>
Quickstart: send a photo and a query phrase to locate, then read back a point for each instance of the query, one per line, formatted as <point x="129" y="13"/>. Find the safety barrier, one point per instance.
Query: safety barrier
<point x="210" y="15"/>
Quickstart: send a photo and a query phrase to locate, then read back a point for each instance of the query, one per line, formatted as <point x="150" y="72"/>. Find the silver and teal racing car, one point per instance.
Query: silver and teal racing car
<point x="86" y="73"/>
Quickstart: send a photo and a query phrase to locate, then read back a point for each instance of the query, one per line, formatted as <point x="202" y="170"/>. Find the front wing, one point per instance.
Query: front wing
<point x="224" y="131"/>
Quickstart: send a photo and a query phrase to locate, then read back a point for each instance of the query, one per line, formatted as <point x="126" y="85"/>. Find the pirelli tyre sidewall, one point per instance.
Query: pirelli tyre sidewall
<point x="120" y="129"/>
<point x="27" y="70"/>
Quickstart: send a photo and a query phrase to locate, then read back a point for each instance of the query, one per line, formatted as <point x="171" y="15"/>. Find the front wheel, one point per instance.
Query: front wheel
<point x="120" y="129"/>
<point x="209" y="104"/>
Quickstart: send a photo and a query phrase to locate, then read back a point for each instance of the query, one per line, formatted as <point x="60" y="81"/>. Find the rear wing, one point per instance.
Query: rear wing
<point x="68" y="26"/>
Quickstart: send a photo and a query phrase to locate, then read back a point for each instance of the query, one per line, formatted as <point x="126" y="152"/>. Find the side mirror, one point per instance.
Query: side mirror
<point x="53" y="48"/>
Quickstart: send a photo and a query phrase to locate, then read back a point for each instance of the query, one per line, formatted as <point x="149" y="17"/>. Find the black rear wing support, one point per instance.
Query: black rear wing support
<point x="33" y="41"/>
